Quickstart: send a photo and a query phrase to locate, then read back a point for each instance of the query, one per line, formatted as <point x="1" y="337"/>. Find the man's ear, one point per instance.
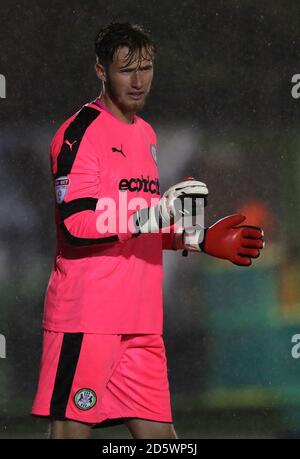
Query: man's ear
<point x="100" y="71"/>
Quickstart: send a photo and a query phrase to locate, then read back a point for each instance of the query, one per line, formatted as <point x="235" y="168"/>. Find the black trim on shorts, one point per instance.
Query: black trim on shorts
<point x="68" y="360"/>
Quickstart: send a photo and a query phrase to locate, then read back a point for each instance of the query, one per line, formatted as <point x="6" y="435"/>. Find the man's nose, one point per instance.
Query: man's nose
<point x="136" y="79"/>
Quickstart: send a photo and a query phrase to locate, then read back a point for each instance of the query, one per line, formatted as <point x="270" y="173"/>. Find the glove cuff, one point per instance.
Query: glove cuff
<point x="193" y="238"/>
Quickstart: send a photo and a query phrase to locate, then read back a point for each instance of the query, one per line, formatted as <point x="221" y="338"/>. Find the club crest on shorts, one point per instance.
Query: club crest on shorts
<point x="153" y="150"/>
<point x="85" y="399"/>
<point x="61" y="184"/>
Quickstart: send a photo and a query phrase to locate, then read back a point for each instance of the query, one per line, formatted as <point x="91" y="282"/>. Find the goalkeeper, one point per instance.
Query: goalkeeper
<point x="103" y="359"/>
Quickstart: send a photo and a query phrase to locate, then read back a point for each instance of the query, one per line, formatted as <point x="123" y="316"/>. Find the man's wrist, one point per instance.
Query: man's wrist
<point x="193" y="238"/>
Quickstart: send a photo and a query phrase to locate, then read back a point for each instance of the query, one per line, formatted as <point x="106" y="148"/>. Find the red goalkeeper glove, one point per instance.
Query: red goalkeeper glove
<point x="224" y="239"/>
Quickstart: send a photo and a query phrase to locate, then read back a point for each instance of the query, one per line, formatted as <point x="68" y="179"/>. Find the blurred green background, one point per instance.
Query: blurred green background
<point x="222" y="107"/>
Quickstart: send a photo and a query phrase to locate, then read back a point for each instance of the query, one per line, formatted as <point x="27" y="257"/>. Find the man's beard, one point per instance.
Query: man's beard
<point x="135" y="106"/>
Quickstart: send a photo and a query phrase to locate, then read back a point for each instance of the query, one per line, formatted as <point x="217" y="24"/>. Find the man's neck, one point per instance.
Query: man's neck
<point x="127" y="117"/>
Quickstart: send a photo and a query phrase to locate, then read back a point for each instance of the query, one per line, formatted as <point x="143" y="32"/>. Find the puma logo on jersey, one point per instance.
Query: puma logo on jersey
<point x="119" y="151"/>
<point x="70" y="144"/>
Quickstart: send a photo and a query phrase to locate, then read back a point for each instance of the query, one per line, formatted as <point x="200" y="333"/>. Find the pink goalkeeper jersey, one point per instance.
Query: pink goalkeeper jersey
<point x="108" y="282"/>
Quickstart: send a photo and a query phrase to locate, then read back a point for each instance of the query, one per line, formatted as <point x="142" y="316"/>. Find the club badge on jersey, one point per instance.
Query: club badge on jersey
<point x="61" y="185"/>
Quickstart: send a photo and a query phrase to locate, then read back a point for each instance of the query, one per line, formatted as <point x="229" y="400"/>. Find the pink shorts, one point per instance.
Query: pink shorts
<point x="94" y="378"/>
